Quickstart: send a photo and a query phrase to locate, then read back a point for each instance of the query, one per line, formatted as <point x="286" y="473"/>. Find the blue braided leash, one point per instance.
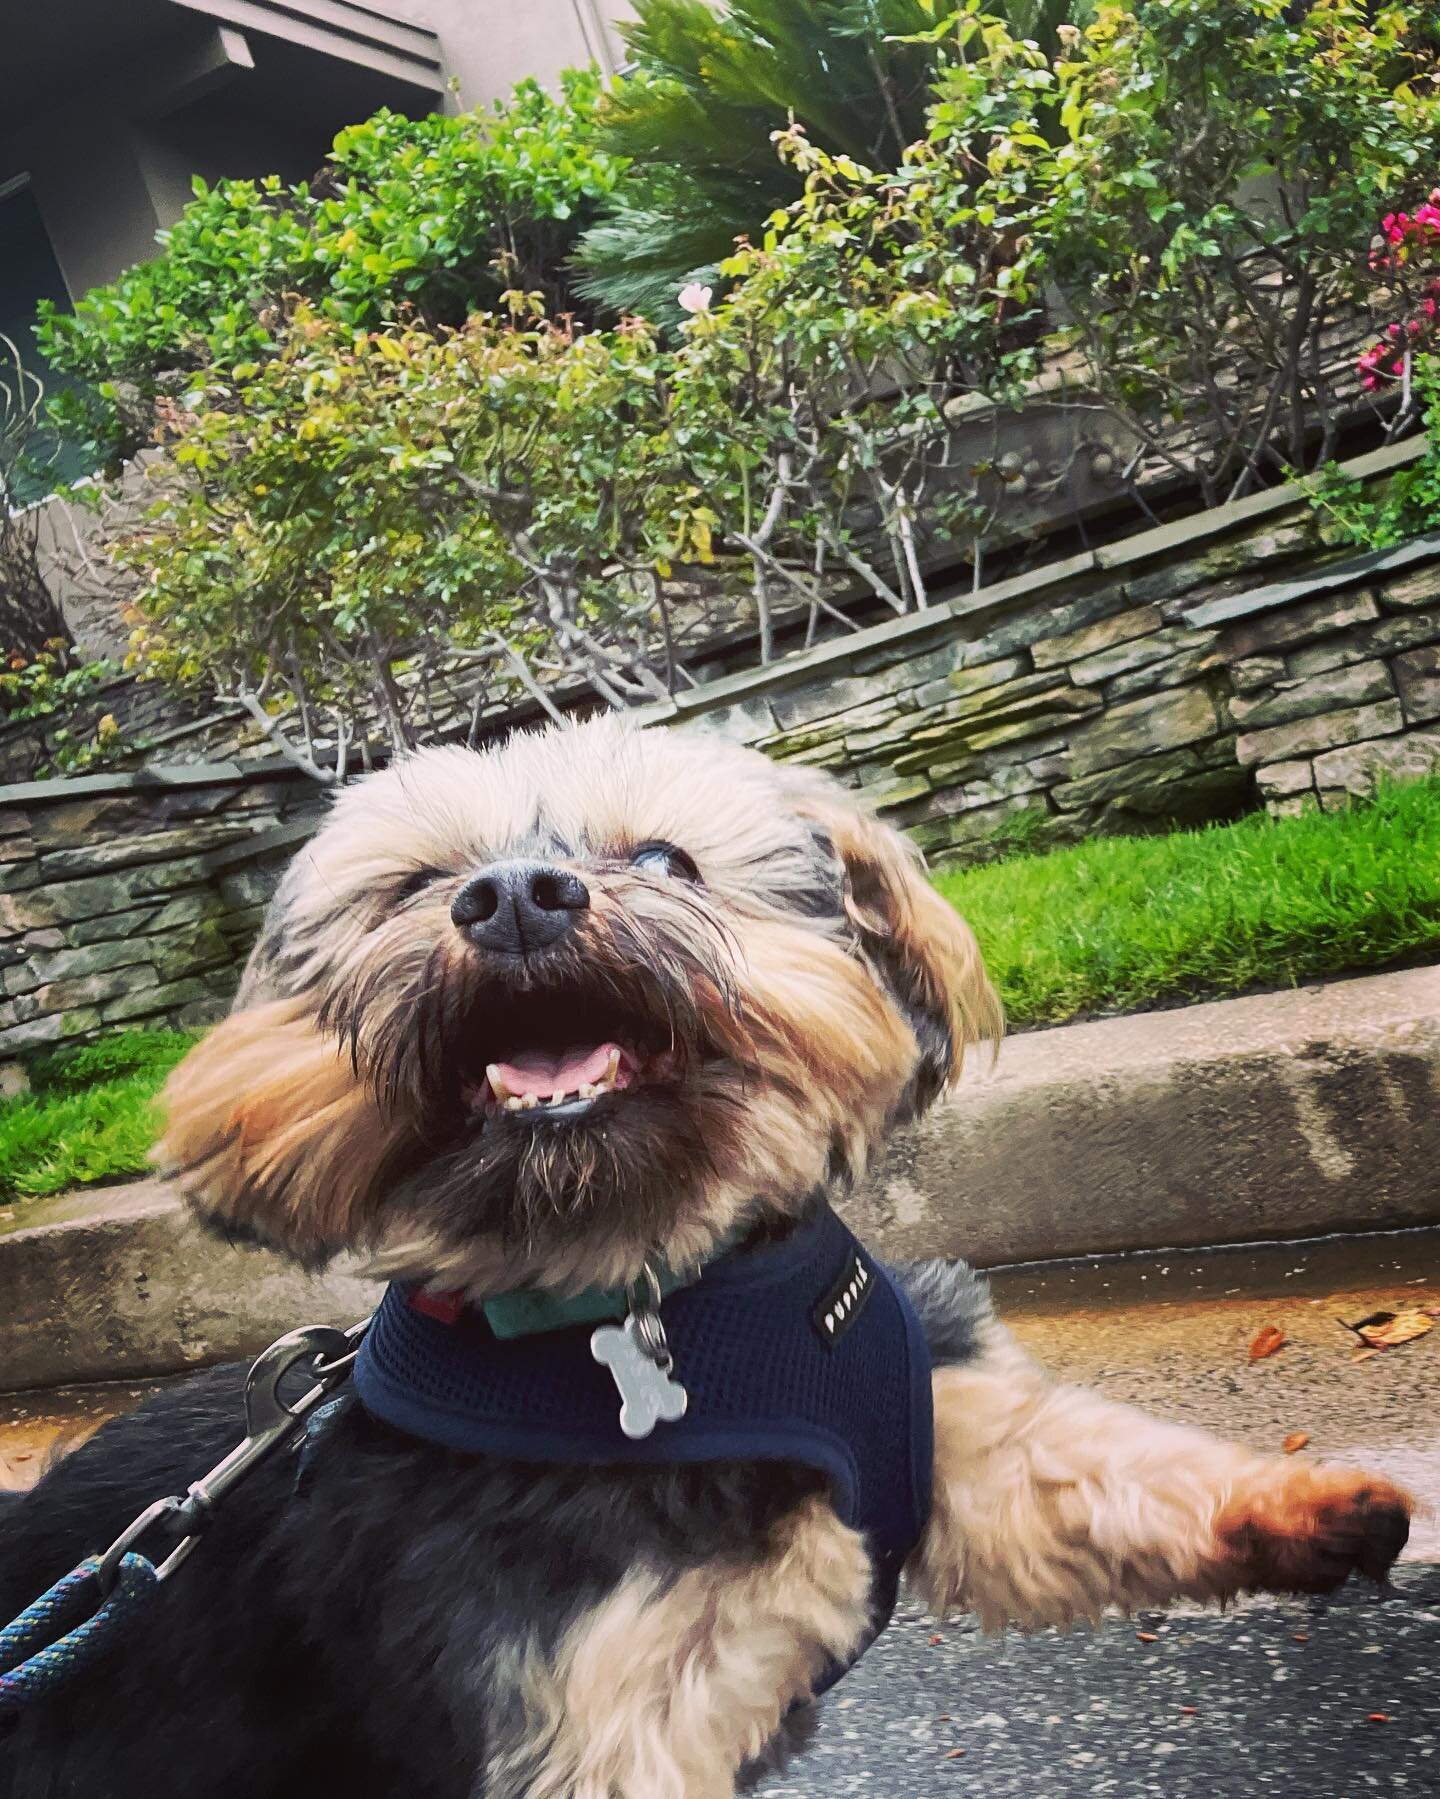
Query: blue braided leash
<point x="35" y="1661"/>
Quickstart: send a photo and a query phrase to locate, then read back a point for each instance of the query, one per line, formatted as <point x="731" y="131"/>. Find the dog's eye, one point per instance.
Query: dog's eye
<point x="415" y="883"/>
<point x="665" y="859"/>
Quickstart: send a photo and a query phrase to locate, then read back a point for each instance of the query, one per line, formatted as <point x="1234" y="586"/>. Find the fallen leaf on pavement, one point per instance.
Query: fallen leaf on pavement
<point x="954" y="1755"/>
<point x="1147" y="1636"/>
<point x="1265" y="1342"/>
<point x="1385" y="1330"/>
<point x="1365" y="1355"/>
<point x="1378" y="1717"/>
<point x="1295" y="1441"/>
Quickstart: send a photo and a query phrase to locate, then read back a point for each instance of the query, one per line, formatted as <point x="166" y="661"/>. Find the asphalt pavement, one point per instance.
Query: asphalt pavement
<point x="1322" y="1699"/>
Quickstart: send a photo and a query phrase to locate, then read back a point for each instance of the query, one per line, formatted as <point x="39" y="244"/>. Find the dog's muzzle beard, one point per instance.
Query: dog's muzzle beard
<point x="593" y="1085"/>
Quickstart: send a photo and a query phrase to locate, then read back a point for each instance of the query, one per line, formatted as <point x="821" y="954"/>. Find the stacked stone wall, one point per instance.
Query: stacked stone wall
<point x="1190" y="673"/>
<point x="132" y="900"/>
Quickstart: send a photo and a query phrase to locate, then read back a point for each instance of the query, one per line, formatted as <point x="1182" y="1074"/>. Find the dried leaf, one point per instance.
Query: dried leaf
<point x="1266" y="1341"/>
<point x="952" y="1755"/>
<point x="1299" y="1636"/>
<point x="1295" y="1441"/>
<point x="1147" y="1636"/>
<point x="1387" y="1329"/>
<point x="1365" y="1355"/>
<point x="1189" y="1711"/>
<point x="1378" y="1717"/>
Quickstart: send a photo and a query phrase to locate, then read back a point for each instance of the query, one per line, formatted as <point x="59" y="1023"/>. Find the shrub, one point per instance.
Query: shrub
<point x="437" y="215"/>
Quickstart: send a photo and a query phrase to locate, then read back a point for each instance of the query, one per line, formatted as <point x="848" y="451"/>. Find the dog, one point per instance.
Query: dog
<point x="606" y="1012"/>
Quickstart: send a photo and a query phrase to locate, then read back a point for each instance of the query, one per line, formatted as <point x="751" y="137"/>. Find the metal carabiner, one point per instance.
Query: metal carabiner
<point x="269" y="1423"/>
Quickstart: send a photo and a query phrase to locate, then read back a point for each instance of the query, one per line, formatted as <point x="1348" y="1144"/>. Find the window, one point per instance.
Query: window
<point x="30" y="273"/>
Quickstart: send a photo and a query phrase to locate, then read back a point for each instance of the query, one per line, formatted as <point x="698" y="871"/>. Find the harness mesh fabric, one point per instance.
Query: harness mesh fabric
<point x="751" y="1349"/>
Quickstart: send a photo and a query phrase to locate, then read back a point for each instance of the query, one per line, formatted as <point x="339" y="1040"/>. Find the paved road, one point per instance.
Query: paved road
<point x="1101" y="1713"/>
<point x="1052" y="1716"/>
<point x="1055" y="1716"/>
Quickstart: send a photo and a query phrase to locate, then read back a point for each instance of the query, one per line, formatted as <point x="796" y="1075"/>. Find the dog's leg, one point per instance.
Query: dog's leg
<point x="1052" y="1504"/>
<point x="669" y="1685"/>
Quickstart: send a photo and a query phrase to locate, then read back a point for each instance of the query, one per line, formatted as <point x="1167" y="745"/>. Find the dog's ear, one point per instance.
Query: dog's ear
<point x="273" y="1137"/>
<point x="919" y="944"/>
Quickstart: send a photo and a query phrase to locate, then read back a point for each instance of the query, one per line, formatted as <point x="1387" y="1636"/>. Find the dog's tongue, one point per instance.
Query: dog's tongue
<point x="543" y="1075"/>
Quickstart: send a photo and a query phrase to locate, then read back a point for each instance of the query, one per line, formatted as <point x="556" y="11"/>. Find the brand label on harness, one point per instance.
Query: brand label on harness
<point x="844" y="1302"/>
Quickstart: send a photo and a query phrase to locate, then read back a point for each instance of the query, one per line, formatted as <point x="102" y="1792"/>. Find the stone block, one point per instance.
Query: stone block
<point x="20" y="877"/>
<point x="1354" y="771"/>
<point x="1282" y="778"/>
<point x="90" y="959"/>
<point x="1356" y="685"/>
<point x="1027" y="628"/>
<point x="1404" y="631"/>
<point x="1163" y="721"/>
<point x="1421" y="588"/>
<point x="1290" y="625"/>
<point x="155" y="846"/>
<point x="1115" y="784"/>
<point x="1295" y="805"/>
<point x="1139" y="653"/>
<point x="152" y="1001"/>
<point x="1251" y="672"/>
<point x="746" y="722"/>
<point x="1417" y="678"/>
<point x="1090" y="640"/>
<point x="191" y="951"/>
<point x="1325" y="731"/>
<point x="36" y="1033"/>
<point x="14" y="1082"/>
<point x="886" y="796"/>
<point x="822" y="699"/>
<point x="254" y="886"/>
<point x="67" y="901"/>
<point x="1155" y="677"/>
<point x="94" y="989"/>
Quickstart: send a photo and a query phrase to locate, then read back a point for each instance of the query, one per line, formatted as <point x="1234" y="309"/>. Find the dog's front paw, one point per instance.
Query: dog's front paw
<point x="1293" y="1528"/>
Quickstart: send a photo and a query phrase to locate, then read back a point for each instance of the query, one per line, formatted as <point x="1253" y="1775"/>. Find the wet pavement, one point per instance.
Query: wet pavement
<point x="1329" y="1699"/>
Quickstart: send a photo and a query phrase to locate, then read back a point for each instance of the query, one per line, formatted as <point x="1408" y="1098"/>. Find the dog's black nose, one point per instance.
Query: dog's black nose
<point x="514" y="907"/>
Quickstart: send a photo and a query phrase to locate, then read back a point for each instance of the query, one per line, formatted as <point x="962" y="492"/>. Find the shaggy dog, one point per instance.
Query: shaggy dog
<point x="593" y="1009"/>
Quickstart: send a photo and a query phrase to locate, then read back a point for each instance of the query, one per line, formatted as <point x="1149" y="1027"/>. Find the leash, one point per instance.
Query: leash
<point x="87" y="1609"/>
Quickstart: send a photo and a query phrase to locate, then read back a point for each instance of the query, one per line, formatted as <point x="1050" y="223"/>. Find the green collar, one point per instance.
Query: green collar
<point x="529" y="1311"/>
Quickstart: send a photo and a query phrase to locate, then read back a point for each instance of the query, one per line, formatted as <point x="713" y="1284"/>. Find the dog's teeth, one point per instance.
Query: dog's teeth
<point x="497" y="1081"/>
<point x="515" y="1103"/>
<point x="529" y="1101"/>
<point x="588" y="1090"/>
<point x="612" y="1068"/>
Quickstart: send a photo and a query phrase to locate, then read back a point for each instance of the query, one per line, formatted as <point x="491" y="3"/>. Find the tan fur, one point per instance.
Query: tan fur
<point x="1052" y="1504"/>
<point x="275" y="1122"/>
<point x="267" y="1124"/>
<point x="664" y="1691"/>
<point x="892" y="902"/>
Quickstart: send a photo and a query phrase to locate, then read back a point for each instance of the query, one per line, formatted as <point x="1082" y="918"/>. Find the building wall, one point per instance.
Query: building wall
<point x="488" y="47"/>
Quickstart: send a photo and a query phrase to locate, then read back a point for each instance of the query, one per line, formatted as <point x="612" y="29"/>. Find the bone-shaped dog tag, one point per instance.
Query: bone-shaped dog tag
<point x="649" y="1395"/>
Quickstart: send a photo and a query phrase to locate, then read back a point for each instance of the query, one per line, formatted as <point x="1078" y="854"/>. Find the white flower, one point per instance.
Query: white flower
<point x="695" y="298"/>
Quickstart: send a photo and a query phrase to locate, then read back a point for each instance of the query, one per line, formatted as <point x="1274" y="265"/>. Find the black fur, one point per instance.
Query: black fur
<point x="357" y="1631"/>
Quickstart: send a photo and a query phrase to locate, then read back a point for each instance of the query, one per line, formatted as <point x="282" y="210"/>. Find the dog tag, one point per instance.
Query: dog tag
<point x="649" y="1394"/>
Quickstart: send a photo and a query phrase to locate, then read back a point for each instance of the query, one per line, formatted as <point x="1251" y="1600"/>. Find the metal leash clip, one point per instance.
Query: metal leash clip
<point x="86" y="1610"/>
<point x="327" y="1355"/>
<point x="637" y="1353"/>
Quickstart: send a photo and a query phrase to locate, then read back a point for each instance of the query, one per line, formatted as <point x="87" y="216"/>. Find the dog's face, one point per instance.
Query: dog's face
<point x="539" y="1012"/>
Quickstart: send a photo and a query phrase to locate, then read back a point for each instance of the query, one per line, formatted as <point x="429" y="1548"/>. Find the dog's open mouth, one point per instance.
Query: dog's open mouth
<point x="551" y="1056"/>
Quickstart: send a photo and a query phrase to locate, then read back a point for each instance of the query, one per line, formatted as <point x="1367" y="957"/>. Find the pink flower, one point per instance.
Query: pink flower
<point x="694" y="298"/>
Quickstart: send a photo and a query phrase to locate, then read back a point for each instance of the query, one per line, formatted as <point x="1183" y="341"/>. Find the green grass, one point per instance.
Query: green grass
<point x="89" y="1116"/>
<point x="1113" y="925"/>
<point x="1123" y="923"/>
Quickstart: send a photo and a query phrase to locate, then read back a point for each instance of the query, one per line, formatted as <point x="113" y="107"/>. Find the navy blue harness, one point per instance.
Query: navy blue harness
<point x="803" y="1351"/>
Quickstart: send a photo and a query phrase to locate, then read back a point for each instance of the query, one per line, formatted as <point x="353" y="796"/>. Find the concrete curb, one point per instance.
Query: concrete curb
<point x="1284" y="1115"/>
<point x="120" y="1282"/>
